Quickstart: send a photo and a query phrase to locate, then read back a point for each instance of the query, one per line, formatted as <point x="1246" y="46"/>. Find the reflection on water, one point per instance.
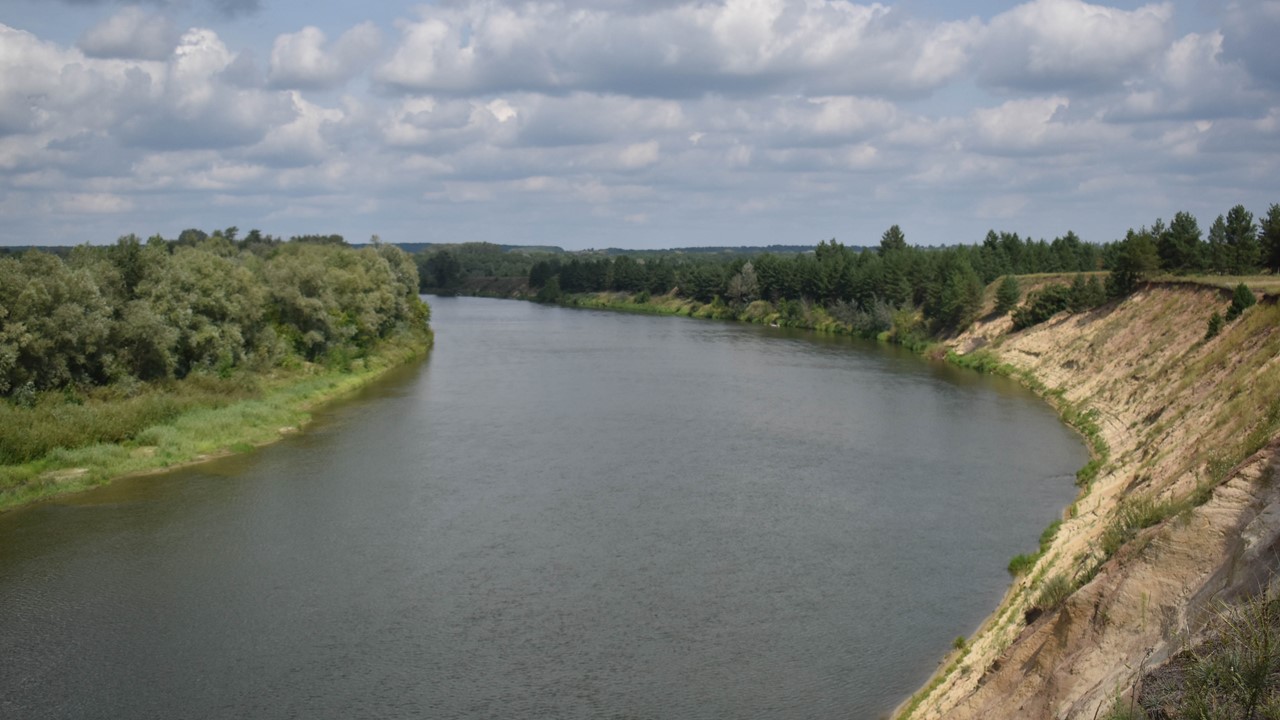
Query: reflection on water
<point x="561" y="514"/>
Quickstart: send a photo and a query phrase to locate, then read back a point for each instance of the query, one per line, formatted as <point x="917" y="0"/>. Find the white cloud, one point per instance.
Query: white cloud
<point x="93" y="203"/>
<point x="302" y="60"/>
<point x="639" y="155"/>
<point x="130" y="34"/>
<point x="738" y="46"/>
<point x="1068" y="44"/>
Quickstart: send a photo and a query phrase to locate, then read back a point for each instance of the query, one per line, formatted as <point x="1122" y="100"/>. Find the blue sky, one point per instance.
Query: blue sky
<point x="598" y="123"/>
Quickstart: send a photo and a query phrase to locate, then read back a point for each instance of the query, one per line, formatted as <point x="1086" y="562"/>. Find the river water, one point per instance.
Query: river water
<point x="561" y="514"/>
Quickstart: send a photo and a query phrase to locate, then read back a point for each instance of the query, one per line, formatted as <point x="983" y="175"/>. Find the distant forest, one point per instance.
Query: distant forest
<point x="864" y="288"/>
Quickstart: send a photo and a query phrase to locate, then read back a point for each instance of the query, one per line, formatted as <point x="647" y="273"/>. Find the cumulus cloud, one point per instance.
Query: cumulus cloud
<point x="131" y="34"/>
<point x="674" y="50"/>
<point x="1051" y="45"/>
<point x="198" y="109"/>
<point x="302" y="60"/>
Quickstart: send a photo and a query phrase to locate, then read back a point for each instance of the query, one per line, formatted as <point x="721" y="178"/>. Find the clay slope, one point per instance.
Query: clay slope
<point x="1184" y="419"/>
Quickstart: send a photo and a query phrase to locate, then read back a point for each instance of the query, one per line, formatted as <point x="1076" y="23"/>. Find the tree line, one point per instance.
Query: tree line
<point x="864" y="289"/>
<point x="215" y="302"/>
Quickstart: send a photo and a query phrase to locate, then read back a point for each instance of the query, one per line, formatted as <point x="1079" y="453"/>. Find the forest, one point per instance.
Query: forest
<point x="941" y="288"/>
<point x="204" y="303"/>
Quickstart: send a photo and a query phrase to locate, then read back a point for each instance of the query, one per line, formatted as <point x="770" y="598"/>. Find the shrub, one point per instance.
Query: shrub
<point x="1022" y="564"/>
<point x="1042" y="305"/>
<point x="1215" y="326"/>
<point x="1242" y="299"/>
<point x="1054" y="592"/>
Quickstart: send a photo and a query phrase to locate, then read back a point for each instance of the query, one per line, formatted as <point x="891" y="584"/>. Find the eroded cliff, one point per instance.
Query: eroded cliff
<point x="1183" y="515"/>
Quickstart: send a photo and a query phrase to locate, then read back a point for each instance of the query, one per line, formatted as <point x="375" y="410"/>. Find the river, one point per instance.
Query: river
<point x="561" y="514"/>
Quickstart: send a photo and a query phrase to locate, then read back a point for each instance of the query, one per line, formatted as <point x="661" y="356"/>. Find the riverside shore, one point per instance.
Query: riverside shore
<point x="282" y="403"/>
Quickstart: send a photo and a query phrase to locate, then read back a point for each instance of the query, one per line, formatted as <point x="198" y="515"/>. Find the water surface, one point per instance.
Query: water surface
<point x="562" y="514"/>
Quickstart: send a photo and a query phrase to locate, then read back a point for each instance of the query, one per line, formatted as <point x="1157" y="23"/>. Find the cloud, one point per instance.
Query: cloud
<point x="225" y="8"/>
<point x="302" y="61"/>
<point x="1251" y="32"/>
<point x="130" y="34"/>
<point x="197" y="108"/>
<point x="1053" y="45"/>
<point x="1190" y="80"/>
<point x="674" y="50"/>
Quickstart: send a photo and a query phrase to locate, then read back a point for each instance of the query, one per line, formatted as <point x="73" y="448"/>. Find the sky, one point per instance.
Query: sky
<point x="621" y="123"/>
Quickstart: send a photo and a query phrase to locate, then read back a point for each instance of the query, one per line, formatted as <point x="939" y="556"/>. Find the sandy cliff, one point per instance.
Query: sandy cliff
<point x="1190" y="427"/>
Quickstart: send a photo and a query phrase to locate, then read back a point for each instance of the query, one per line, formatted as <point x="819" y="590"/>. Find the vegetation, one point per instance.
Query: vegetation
<point x="105" y="352"/>
<point x="1234" y="673"/>
<point x="1242" y="299"/>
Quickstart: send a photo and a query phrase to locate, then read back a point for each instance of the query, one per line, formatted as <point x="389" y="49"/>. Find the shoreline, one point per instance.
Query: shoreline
<point x="1187" y="432"/>
<point x="283" y="406"/>
<point x="1175" y="510"/>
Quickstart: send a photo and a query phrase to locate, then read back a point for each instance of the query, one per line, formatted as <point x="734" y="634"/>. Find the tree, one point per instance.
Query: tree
<point x="743" y="285"/>
<point x="1242" y="299"/>
<point x="1136" y="258"/>
<point x="1179" y="245"/>
<point x="1007" y="295"/>
<point x="1242" y="238"/>
<point x="1219" y="253"/>
<point x="1270" y="232"/>
<point x="443" y="269"/>
<point x="961" y="297"/>
<point x="892" y="240"/>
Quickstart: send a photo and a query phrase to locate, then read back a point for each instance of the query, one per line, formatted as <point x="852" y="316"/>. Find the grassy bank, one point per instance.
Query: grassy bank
<point x="61" y="442"/>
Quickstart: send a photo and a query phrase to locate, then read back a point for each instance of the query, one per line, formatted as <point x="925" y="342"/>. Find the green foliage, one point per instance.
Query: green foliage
<point x="1054" y="592"/>
<point x="1215" y="326"/>
<point x="1234" y="674"/>
<point x="1136" y="257"/>
<point x="1131" y="516"/>
<point x="1269" y="232"/>
<point x="1021" y="564"/>
<point x="1242" y="299"/>
<point x="130" y="312"/>
<point x="1041" y="305"/>
<point x="1007" y="295"/>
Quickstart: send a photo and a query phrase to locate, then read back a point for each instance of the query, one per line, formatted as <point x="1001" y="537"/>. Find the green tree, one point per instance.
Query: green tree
<point x="1136" y="258"/>
<point x="1220" y="258"/>
<point x="961" y="298"/>
<point x="1180" y="245"/>
<point x="1242" y="299"/>
<point x="443" y="269"/>
<point x="1007" y="295"/>
<point x="892" y="241"/>
<point x="1242" y="240"/>
<point x="1270" y="238"/>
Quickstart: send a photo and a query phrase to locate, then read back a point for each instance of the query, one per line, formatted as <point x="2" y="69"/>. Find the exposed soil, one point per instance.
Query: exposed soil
<point x="1175" y="410"/>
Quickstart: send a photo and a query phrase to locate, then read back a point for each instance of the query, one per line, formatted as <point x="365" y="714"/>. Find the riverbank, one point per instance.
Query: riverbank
<point x="1176" y="516"/>
<point x="1177" y="512"/>
<point x="203" y="417"/>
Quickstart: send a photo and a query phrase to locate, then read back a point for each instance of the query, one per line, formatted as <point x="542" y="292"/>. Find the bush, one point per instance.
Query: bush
<point x="1215" y="326"/>
<point x="1042" y="305"/>
<point x="1241" y="300"/>
<point x="1054" y="592"/>
<point x="1022" y="564"/>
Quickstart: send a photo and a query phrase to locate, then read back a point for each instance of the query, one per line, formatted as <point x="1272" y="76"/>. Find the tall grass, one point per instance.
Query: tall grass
<point x="69" y="442"/>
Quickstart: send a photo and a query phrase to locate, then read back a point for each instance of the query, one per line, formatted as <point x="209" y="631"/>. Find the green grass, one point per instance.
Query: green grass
<point x="67" y="443"/>
<point x="1054" y="592"/>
